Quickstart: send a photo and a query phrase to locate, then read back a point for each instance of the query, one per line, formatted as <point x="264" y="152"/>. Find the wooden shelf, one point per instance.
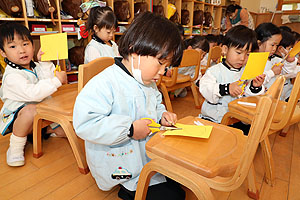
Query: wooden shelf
<point x="72" y="72"/>
<point x="11" y="19"/>
<point x="41" y="20"/>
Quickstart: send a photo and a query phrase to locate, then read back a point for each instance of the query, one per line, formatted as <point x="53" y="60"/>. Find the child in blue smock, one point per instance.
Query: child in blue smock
<point x="269" y="37"/>
<point x="102" y="23"/>
<point x="24" y="84"/>
<point x="219" y="84"/>
<point x="108" y="111"/>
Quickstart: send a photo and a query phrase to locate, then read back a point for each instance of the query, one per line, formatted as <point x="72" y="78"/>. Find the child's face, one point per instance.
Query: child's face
<point x="270" y="45"/>
<point x="151" y="67"/>
<point x="104" y="33"/>
<point x="236" y="57"/>
<point x="18" y="51"/>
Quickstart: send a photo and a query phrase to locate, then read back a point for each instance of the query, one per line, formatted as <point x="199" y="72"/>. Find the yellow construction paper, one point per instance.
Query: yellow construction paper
<point x="54" y="45"/>
<point x="255" y="65"/>
<point x="191" y="131"/>
<point x="295" y="50"/>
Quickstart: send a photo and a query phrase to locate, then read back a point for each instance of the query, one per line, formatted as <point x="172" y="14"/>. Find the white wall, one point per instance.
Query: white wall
<point x="256" y="5"/>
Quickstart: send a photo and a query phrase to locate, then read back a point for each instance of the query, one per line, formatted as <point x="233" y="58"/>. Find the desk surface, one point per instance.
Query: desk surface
<point x="217" y="156"/>
<point x="62" y="101"/>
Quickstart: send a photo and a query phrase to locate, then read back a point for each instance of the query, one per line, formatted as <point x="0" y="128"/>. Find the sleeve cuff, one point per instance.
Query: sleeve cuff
<point x="131" y="130"/>
<point x="224" y="89"/>
<point x="253" y="89"/>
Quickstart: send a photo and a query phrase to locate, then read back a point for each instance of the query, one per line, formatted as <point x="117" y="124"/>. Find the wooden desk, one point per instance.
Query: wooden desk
<point x="59" y="108"/>
<point x="217" y="156"/>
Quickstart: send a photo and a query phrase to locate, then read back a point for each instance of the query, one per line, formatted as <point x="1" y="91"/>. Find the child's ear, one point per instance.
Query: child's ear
<point x="95" y="28"/>
<point x="190" y="47"/>
<point x="224" y="50"/>
<point x="3" y="54"/>
<point x="259" y="42"/>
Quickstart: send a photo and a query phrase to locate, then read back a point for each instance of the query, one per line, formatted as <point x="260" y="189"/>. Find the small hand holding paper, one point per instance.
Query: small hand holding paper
<point x="234" y="89"/>
<point x="168" y="119"/>
<point x="39" y="54"/>
<point x="277" y="68"/>
<point x="62" y="77"/>
<point x="259" y="80"/>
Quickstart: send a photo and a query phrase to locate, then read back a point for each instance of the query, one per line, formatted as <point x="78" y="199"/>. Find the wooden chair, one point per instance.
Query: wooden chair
<point x="59" y="109"/>
<point x="214" y="54"/>
<point x="287" y="113"/>
<point x="221" y="162"/>
<point x="190" y="58"/>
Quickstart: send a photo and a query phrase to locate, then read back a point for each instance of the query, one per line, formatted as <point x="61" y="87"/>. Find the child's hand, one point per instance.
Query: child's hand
<point x="39" y="55"/>
<point x="277" y="68"/>
<point x="62" y="77"/>
<point x="168" y="119"/>
<point x="169" y="73"/>
<point x="290" y="59"/>
<point x="141" y="129"/>
<point x="234" y="89"/>
<point x="259" y="80"/>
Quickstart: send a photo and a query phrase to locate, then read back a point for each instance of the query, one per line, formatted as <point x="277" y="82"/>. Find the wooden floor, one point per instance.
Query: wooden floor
<point x="55" y="175"/>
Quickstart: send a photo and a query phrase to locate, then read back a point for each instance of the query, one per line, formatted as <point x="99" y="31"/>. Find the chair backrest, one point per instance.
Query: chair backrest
<point x="89" y="70"/>
<point x="214" y="54"/>
<point x="290" y="107"/>
<point x="190" y="57"/>
<point x="259" y="129"/>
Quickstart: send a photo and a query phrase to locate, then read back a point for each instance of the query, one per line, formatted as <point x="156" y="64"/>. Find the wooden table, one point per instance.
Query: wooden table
<point x="59" y="108"/>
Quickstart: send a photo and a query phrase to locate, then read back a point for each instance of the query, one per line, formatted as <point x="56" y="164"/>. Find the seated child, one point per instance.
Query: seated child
<point x="219" y="84"/>
<point x="24" y="83"/>
<point x="269" y="37"/>
<point x="102" y="23"/>
<point x="200" y="44"/>
<point x="108" y="111"/>
<point x="213" y="41"/>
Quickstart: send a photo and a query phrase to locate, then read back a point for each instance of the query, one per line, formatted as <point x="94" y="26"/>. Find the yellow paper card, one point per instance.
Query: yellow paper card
<point x="255" y="65"/>
<point x="191" y="131"/>
<point x="53" y="45"/>
<point x="295" y="50"/>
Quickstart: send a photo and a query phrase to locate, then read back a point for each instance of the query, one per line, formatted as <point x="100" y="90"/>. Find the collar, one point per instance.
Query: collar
<point x="271" y="57"/>
<point x="16" y="66"/>
<point x="228" y="67"/>
<point x="276" y="55"/>
<point x="95" y="37"/>
<point x="118" y="61"/>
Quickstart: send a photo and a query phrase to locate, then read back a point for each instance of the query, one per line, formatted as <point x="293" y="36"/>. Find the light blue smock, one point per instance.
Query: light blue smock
<point x="103" y="113"/>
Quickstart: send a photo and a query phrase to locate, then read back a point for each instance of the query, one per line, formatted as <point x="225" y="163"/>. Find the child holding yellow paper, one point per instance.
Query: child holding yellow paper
<point x="102" y="23"/>
<point x="108" y="111"/>
<point x="220" y="83"/>
<point x="268" y="38"/>
<point x="24" y="83"/>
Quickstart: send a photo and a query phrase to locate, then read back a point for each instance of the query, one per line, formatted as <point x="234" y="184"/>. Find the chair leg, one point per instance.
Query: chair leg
<point x="182" y="175"/>
<point x="284" y="131"/>
<point x="268" y="161"/>
<point x="196" y="96"/>
<point x="37" y="137"/>
<point x="167" y="100"/>
<point x="76" y="148"/>
<point x="253" y="192"/>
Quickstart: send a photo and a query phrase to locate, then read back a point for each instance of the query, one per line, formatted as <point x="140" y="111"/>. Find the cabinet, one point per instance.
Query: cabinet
<point x="215" y="10"/>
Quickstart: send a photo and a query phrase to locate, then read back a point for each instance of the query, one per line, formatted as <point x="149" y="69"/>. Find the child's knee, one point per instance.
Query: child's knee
<point x="28" y="111"/>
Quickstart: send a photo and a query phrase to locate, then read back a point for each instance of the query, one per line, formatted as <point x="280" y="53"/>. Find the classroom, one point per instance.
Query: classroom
<point x="149" y="99"/>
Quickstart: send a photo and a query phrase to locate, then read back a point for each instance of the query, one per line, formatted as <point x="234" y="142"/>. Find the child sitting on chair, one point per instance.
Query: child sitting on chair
<point x="269" y="37"/>
<point x="102" y="23"/>
<point x="219" y="85"/>
<point x="24" y="83"/>
<point x="108" y="111"/>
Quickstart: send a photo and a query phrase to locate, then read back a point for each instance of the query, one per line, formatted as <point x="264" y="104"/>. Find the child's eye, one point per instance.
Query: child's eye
<point x="12" y="46"/>
<point x="25" y="44"/>
<point x="160" y="62"/>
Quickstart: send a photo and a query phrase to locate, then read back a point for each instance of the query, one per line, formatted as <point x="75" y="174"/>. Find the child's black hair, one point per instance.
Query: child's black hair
<point x="152" y="35"/>
<point x="285" y="28"/>
<point x="181" y="29"/>
<point x="220" y="39"/>
<point x="8" y="31"/>
<point x="296" y="36"/>
<point x="197" y="42"/>
<point x="239" y="37"/>
<point x="287" y="40"/>
<point x="265" y="31"/>
<point x="211" y="38"/>
<point x="102" y="17"/>
<point x="231" y="8"/>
